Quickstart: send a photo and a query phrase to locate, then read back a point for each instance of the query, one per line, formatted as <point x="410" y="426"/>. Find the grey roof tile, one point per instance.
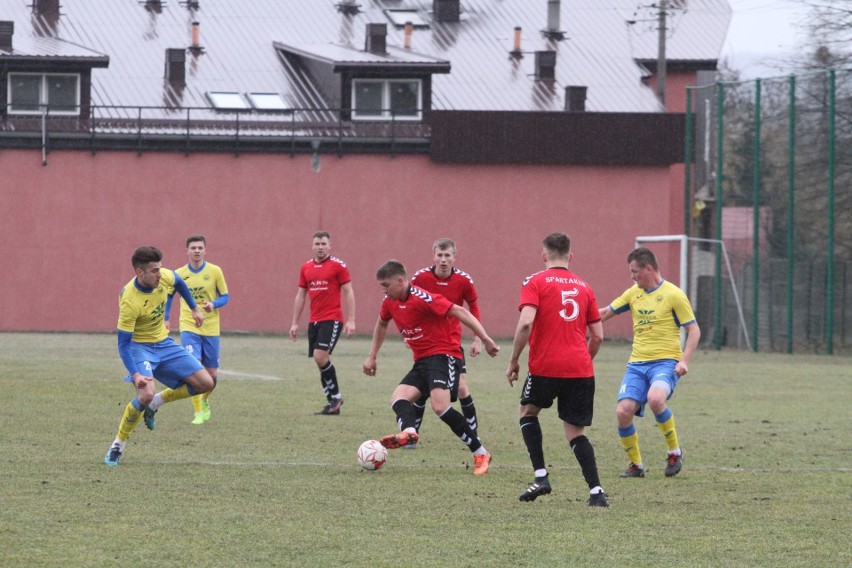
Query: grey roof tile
<point x="239" y="55"/>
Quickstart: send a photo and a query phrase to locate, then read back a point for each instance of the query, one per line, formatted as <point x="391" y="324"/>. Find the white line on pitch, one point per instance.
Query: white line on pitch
<point x="241" y="375"/>
<point x="516" y="467"/>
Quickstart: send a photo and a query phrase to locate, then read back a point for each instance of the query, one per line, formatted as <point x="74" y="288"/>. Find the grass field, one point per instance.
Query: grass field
<point x="767" y="478"/>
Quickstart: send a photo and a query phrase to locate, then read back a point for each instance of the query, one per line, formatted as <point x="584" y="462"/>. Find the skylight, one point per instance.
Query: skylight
<point x="267" y="101"/>
<point x="227" y="101"/>
<point x="400" y="17"/>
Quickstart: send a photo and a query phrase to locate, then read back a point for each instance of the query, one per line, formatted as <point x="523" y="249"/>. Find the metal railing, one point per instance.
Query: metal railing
<point x="188" y="129"/>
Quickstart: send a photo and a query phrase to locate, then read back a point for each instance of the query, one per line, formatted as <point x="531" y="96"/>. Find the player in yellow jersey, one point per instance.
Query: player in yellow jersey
<point x="659" y="309"/>
<point x="207" y="284"/>
<point x="147" y="350"/>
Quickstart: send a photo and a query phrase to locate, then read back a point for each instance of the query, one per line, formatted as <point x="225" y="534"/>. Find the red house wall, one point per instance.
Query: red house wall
<point x="69" y="228"/>
<point x="676" y="84"/>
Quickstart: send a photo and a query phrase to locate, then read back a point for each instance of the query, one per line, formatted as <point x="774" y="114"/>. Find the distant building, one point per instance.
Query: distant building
<point x="389" y="123"/>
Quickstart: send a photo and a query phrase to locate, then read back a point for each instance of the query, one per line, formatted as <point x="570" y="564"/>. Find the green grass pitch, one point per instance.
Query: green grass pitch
<point x="766" y="478"/>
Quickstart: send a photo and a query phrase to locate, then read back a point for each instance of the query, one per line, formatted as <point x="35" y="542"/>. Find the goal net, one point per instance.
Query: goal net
<point x="704" y="272"/>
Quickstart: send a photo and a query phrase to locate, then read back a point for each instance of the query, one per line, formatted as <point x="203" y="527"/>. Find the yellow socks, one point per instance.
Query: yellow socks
<point x="129" y="420"/>
<point x="198" y="402"/>
<point x="630" y="443"/>
<point x="171" y="395"/>
<point x="666" y="424"/>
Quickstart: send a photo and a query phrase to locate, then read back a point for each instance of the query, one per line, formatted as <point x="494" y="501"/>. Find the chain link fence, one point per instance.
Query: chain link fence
<point x="769" y="174"/>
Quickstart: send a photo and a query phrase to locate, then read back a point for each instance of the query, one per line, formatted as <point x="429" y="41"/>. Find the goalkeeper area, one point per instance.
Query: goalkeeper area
<point x="694" y="264"/>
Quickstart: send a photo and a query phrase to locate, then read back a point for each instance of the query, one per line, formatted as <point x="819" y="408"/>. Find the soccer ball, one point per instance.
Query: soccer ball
<point x="372" y="455"/>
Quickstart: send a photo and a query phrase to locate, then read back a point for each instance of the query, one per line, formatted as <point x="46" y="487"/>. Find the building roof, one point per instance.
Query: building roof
<point x="238" y="38"/>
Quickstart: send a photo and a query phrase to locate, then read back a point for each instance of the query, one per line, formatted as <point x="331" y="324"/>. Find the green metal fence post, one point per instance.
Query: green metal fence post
<point x="755" y="288"/>
<point x="717" y="286"/>
<point x="791" y="203"/>
<point x="829" y="293"/>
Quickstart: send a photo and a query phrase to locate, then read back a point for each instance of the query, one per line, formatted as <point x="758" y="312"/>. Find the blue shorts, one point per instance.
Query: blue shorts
<point x="166" y="361"/>
<point x="205" y="348"/>
<point x="639" y="377"/>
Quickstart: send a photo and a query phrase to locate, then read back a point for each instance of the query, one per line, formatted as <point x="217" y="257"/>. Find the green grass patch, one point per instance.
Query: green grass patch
<point x="766" y="478"/>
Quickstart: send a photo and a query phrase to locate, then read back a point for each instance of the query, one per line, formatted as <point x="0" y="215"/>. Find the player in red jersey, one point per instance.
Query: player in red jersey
<point x="425" y="322"/>
<point x="557" y="309"/>
<point x="456" y="286"/>
<point x="325" y="278"/>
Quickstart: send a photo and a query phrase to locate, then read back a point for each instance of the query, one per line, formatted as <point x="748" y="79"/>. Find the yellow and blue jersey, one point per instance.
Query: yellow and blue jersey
<point x="141" y="311"/>
<point x="207" y="284"/>
<point x="658" y="315"/>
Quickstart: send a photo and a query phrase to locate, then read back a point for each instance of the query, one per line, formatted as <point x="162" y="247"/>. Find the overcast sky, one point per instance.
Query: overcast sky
<point x="762" y="30"/>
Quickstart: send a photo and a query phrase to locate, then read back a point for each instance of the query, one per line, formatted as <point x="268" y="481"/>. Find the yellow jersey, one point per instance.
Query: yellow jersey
<point x="141" y="312"/>
<point x="658" y="315"/>
<point x="206" y="285"/>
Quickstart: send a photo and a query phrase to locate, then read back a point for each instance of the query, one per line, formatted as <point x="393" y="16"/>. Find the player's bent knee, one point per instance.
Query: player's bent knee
<point x="625" y="411"/>
<point x="321" y="358"/>
<point x="201" y="382"/>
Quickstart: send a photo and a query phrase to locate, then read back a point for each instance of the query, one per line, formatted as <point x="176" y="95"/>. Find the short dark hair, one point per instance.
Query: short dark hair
<point x="321" y="235"/>
<point x="643" y="257"/>
<point x="144" y="255"/>
<point x="195" y="239"/>
<point x="557" y="245"/>
<point x="390" y="269"/>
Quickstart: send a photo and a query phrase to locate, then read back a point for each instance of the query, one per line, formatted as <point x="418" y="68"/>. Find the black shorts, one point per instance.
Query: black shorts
<point x="323" y="335"/>
<point x="435" y="372"/>
<point x="575" y="397"/>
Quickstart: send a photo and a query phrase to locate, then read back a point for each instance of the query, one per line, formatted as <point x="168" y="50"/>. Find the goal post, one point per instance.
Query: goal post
<point x="687" y="284"/>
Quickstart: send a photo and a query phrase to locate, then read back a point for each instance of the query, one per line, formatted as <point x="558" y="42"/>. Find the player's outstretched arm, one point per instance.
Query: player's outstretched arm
<point x="693" y="337"/>
<point x="519" y="343"/>
<point x="595" y="338"/>
<point x="379" y="334"/>
<point x="349" y="294"/>
<point x="298" y="306"/>
<point x="467" y="318"/>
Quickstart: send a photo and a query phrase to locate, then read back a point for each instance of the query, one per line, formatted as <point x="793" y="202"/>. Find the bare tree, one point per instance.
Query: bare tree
<point x="829" y="35"/>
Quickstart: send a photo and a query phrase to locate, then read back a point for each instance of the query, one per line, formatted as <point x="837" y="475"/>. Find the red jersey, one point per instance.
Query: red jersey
<point x="323" y="281"/>
<point x="423" y="323"/>
<point x="565" y="306"/>
<point x="457" y="288"/>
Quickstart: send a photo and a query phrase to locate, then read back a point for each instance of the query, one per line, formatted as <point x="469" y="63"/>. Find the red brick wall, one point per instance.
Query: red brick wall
<point x="69" y="228"/>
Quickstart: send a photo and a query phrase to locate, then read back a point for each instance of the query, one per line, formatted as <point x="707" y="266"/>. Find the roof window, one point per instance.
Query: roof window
<point x="268" y="101"/>
<point x="227" y="101"/>
<point x="400" y="17"/>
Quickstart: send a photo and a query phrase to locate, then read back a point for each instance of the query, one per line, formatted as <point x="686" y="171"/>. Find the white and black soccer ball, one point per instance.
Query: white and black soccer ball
<point x="372" y="455"/>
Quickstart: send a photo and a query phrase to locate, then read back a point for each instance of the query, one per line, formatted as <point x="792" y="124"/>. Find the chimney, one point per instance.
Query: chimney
<point x="7" y="30"/>
<point x="575" y="98"/>
<point x="553" y="15"/>
<point x="47" y="8"/>
<point x="376" y="40"/>
<point x="446" y="10"/>
<point x="348" y="7"/>
<point x="176" y="66"/>
<point x="196" y="33"/>
<point x="552" y="31"/>
<point x="545" y="65"/>
<point x="516" y="42"/>
<point x="409" y="29"/>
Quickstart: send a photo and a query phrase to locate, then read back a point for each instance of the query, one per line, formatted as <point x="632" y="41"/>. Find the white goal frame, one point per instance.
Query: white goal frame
<point x="683" y="284"/>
